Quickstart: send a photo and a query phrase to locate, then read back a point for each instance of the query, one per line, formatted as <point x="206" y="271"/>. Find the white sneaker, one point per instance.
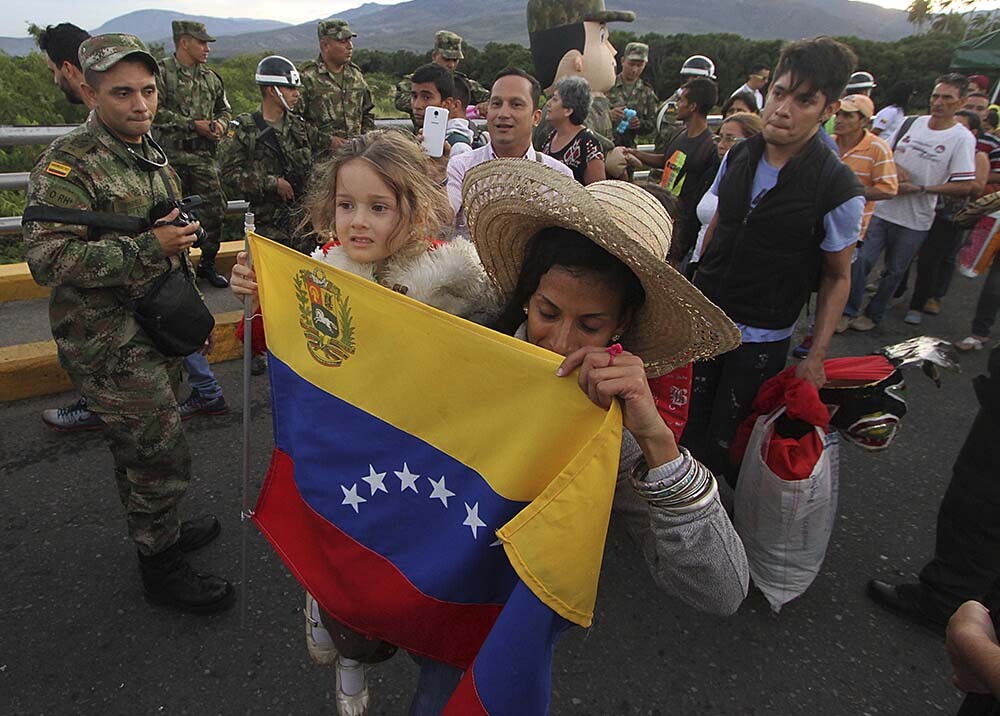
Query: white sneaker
<point x="971" y="343"/>
<point x="913" y="318"/>
<point x="861" y="323"/>
<point x="322" y="650"/>
<point x="348" y="704"/>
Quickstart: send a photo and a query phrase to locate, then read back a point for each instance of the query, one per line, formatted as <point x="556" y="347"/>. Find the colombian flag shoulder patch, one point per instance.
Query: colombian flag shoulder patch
<point x="58" y="169"/>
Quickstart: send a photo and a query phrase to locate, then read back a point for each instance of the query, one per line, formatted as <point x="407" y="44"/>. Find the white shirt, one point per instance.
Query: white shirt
<point x="930" y="156"/>
<point x="460" y="164"/>
<point x="756" y="95"/>
<point x="888" y="121"/>
<point x="706" y="210"/>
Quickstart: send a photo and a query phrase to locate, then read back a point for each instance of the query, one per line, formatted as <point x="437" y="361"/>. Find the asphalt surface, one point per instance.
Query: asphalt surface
<point x="76" y="637"/>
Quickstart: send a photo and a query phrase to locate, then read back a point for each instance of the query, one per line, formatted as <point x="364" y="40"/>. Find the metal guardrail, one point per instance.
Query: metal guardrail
<point x="25" y="136"/>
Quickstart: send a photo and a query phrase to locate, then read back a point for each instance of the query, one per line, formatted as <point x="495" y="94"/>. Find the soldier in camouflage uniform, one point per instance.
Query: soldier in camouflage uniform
<point x="570" y="37"/>
<point x="336" y="101"/>
<point x="109" y="165"/>
<point x="447" y="52"/>
<point x="191" y="120"/>
<point x="631" y="92"/>
<point x="266" y="155"/>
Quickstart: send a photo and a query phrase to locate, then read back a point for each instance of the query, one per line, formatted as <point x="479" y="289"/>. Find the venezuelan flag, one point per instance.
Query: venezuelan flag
<point x="433" y="483"/>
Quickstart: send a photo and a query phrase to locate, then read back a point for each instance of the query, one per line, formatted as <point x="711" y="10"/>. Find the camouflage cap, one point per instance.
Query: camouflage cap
<point x="546" y="14"/>
<point x="449" y="45"/>
<point x="637" y="51"/>
<point x="337" y="29"/>
<point x="102" y="52"/>
<point x="193" y="29"/>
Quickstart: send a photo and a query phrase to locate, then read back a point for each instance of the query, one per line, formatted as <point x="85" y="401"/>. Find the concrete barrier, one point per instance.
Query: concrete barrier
<point x="16" y="283"/>
<point x="32" y="369"/>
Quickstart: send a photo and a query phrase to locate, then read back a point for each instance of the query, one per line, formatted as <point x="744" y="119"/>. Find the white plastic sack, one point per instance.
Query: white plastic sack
<point x="785" y="525"/>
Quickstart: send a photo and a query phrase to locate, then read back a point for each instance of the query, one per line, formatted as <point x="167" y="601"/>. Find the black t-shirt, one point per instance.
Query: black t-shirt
<point x="690" y="166"/>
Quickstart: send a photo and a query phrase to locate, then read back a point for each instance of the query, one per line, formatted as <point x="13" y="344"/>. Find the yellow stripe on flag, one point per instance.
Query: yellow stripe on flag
<point x="488" y="400"/>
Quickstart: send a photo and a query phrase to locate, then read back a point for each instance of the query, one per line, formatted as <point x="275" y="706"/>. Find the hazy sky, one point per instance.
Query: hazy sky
<point x="13" y="22"/>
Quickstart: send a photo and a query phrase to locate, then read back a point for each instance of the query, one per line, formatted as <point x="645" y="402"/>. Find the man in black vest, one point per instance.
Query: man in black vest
<point x="788" y="218"/>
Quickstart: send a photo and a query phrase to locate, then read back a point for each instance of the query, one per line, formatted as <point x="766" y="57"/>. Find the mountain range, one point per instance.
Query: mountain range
<point x="411" y="25"/>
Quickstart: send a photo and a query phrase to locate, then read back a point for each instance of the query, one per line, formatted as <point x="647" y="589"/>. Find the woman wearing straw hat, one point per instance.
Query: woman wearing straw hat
<point x="581" y="271"/>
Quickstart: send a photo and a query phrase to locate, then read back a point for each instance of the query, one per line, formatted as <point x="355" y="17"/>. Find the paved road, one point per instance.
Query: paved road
<point x="76" y="637"/>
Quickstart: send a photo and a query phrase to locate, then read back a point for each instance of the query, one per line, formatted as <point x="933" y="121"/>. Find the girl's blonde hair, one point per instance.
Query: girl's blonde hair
<point x="397" y="157"/>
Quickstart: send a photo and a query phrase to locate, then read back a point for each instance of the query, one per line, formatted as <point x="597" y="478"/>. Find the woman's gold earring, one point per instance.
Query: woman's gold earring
<point x="616" y="337"/>
<point x="525" y="309"/>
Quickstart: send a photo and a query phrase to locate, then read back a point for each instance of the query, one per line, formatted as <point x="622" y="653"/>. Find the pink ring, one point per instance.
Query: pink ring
<point x="613" y="350"/>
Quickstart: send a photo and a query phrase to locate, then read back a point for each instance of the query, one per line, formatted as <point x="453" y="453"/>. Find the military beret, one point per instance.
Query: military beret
<point x="194" y="29"/>
<point x="637" y="51"/>
<point x="102" y="52"/>
<point x="449" y="45"/>
<point x="546" y="14"/>
<point x="335" y="28"/>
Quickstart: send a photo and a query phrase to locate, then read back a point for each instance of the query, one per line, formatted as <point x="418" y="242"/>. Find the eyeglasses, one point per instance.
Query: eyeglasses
<point x="729" y="138"/>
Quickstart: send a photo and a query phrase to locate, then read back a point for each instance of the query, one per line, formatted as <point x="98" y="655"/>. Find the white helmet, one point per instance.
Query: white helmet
<point x="698" y="66"/>
<point x="277" y="71"/>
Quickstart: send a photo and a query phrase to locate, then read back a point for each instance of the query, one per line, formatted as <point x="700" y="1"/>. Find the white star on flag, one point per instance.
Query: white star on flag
<point x="351" y="497"/>
<point x="472" y="519"/>
<point x="376" y="480"/>
<point x="440" y="492"/>
<point x="407" y="480"/>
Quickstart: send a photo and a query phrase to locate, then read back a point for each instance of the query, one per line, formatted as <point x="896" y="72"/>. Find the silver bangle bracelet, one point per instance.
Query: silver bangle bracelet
<point x="703" y="501"/>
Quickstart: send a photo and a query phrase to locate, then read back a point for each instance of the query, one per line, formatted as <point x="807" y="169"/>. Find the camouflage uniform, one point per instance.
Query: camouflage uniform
<point x="252" y="167"/>
<point x="335" y="105"/>
<point x="639" y="97"/>
<point x="94" y="273"/>
<point x="449" y="45"/>
<point x="187" y="94"/>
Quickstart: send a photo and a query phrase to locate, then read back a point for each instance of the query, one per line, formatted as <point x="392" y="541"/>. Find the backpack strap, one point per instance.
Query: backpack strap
<point x="903" y="129"/>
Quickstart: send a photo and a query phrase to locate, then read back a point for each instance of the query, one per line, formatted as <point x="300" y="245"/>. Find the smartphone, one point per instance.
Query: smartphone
<point x="435" y="127"/>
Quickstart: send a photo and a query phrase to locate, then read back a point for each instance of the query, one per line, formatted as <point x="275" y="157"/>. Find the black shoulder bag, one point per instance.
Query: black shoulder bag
<point x="172" y="312"/>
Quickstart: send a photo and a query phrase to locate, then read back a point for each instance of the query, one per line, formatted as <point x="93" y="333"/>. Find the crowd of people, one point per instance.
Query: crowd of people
<point x="677" y="298"/>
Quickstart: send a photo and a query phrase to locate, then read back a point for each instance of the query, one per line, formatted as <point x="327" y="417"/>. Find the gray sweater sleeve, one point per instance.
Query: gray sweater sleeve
<point x="696" y="556"/>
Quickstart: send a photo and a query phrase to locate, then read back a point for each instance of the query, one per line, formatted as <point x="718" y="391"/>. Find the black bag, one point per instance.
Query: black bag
<point x="173" y="314"/>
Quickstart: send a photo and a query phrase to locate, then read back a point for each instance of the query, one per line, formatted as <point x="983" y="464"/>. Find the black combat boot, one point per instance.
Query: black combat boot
<point x="206" y="270"/>
<point x="198" y="532"/>
<point x="169" y="580"/>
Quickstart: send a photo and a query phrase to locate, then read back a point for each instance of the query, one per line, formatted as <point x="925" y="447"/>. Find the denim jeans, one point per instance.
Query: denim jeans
<point x="201" y="377"/>
<point x="989" y="301"/>
<point x="435" y="686"/>
<point x="900" y="245"/>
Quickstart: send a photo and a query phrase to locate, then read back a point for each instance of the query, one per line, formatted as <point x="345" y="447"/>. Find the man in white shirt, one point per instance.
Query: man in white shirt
<point x="756" y="81"/>
<point x="935" y="156"/>
<point x="513" y="113"/>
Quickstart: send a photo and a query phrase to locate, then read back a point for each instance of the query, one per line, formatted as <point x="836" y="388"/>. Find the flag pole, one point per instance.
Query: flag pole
<point x="245" y="512"/>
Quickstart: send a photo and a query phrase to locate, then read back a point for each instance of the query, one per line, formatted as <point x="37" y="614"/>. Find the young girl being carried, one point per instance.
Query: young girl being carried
<point x="385" y="220"/>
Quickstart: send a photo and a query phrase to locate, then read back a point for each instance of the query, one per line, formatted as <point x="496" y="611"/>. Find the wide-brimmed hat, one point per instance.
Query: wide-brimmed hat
<point x="508" y="201"/>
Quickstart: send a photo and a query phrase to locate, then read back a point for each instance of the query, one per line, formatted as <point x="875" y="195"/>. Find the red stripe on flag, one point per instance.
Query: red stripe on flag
<point x="360" y="587"/>
<point x="465" y="701"/>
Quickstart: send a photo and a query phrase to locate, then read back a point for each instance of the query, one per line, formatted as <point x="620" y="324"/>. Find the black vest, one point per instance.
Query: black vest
<point x="762" y="263"/>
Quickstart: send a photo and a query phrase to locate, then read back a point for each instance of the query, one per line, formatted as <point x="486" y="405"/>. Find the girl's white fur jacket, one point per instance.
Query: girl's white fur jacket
<point x="449" y="277"/>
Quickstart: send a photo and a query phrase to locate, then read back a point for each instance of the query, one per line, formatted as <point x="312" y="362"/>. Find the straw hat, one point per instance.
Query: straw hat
<point x="508" y="201"/>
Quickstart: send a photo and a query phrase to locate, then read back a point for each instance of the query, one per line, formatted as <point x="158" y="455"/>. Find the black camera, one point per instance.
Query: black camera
<point x="185" y="214"/>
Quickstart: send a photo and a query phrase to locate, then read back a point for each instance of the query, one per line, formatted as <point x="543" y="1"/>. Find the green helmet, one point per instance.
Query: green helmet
<point x="546" y="14"/>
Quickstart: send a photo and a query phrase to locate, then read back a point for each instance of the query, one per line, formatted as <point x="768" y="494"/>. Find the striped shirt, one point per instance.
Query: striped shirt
<point x="871" y="161"/>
